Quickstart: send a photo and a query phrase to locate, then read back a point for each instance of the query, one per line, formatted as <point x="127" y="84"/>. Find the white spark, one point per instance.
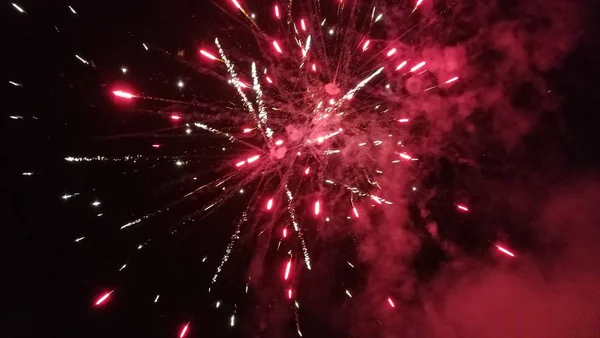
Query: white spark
<point x="72" y="10"/>
<point x="16" y="84"/>
<point x="18" y="8"/>
<point x="145" y="47"/>
<point x="123" y="267"/>
<point x="156" y="299"/>
<point x="82" y="60"/>
<point x="79" y="239"/>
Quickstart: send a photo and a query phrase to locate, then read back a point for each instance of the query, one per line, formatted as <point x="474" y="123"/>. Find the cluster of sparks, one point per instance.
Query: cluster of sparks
<point x="293" y="143"/>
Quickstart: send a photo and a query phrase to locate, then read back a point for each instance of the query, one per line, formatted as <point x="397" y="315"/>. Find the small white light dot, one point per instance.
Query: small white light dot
<point x="253" y="16"/>
<point x="188" y="131"/>
<point x="180" y="84"/>
<point x="241" y="191"/>
<point x="327" y="219"/>
<point x="96" y="203"/>
<point x="124" y="70"/>
<point x="331" y="31"/>
<point x="414" y="188"/>
<point x="179" y="163"/>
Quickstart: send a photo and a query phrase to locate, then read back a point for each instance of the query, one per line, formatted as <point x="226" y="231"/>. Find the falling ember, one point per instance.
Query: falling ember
<point x="277" y="48"/>
<point x="103" y="298"/>
<point x="277" y="11"/>
<point x="366" y="45"/>
<point x="239" y="164"/>
<point x="125" y="95"/>
<point x="269" y="80"/>
<point x="290" y="293"/>
<point x="401" y="65"/>
<point x="317" y="207"/>
<point x="355" y="211"/>
<point x="175" y="117"/>
<point x="417" y="67"/>
<point x="505" y="251"/>
<point x="391" y="302"/>
<point x="306" y="171"/>
<point x="451" y="80"/>
<point x="391" y="52"/>
<point x="253" y="158"/>
<point x="208" y="55"/>
<point x="284" y="232"/>
<point x="303" y="25"/>
<point x="278" y="142"/>
<point x="270" y="204"/>
<point x="462" y="207"/>
<point x="184" y="330"/>
<point x="403" y="120"/>
<point x="287" y="270"/>
<point x="405" y="156"/>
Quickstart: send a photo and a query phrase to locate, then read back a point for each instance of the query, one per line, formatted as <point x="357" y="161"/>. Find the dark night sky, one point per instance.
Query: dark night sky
<point x="48" y="282"/>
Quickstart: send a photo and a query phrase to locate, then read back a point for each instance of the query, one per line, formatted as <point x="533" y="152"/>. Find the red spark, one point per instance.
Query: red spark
<point x="270" y="204"/>
<point x="406" y="156"/>
<point x="417" y="67"/>
<point x="103" y="298"/>
<point x="175" y="117"/>
<point x="236" y="4"/>
<point x="290" y="293"/>
<point x="462" y="207"/>
<point x="307" y="171"/>
<point x="403" y="120"/>
<point x="278" y="142"/>
<point x="451" y="80"/>
<point x="287" y="269"/>
<point x="401" y="65"/>
<point x="317" y="207"/>
<point x="122" y="94"/>
<point x="391" y="52"/>
<point x="253" y="158"/>
<point x="284" y="232"/>
<point x="247" y="130"/>
<point x="208" y="55"/>
<point x="239" y="164"/>
<point x="303" y="25"/>
<point x="505" y="251"/>
<point x="391" y="302"/>
<point x="184" y="330"/>
<point x="277" y="48"/>
<point x="156" y="146"/>
<point x="355" y="211"/>
<point x="277" y="11"/>
<point x="366" y="45"/>
<point x="269" y="80"/>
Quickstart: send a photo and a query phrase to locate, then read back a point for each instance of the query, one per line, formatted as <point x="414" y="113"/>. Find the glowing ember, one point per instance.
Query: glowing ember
<point x="277" y="48"/>
<point x="208" y="55"/>
<point x="401" y="65"/>
<point x="175" y="117"/>
<point x="366" y="45"/>
<point x="317" y="207"/>
<point x="287" y="270"/>
<point x="391" y="52"/>
<point x="391" y="302"/>
<point x="184" y="330"/>
<point x="417" y="67"/>
<point x="462" y="207"/>
<point x="270" y="204"/>
<point x="122" y="94"/>
<point x="103" y="298"/>
<point x="355" y="212"/>
<point x="501" y="249"/>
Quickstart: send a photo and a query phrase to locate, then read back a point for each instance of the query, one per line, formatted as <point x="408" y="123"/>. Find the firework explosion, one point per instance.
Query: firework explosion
<point x="322" y="130"/>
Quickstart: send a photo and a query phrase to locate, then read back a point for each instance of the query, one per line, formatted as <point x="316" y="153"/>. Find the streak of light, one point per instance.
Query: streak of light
<point x="277" y="11"/>
<point x="156" y="299"/>
<point x="82" y="59"/>
<point x="306" y="171"/>
<point x="401" y="65"/>
<point x="290" y="293"/>
<point x="16" y="84"/>
<point x="504" y="250"/>
<point x="253" y="158"/>
<point x="314" y="67"/>
<point x="284" y="232"/>
<point x="270" y="204"/>
<point x="379" y="17"/>
<point x="278" y="142"/>
<point x="79" y="239"/>
<point x="391" y="52"/>
<point x="391" y="302"/>
<point x="123" y="267"/>
<point x="355" y="211"/>
<point x="156" y="145"/>
<point x="184" y="330"/>
<point x="451" y="80"/>
<point x="269" y="80"/>
<point x="403" y="120"/>
<point x="20" y="9"/>
<point x="96" y="203"/>
<point x="72" y="10"/>
<point x="287" y="269"/>
<point x="175" y="117"/>
<point x="145" y="46"/>
<point x="208" y="55"/>
<point x="303" y="25"/>
<point x="317" y="207"/>
<point x="405" y="156"/>
<point x="418" y="66"/>
<point x="348" y="293"/>
<point x="247" y="130"/>
<point x="277" y="48"/>
<point x="366" y="45"/>
<point x="462" y="207"/>
<point x="350" y="264"/>
<point x="239" y="164"/>
<point x="122" y="94"/>
<point x="218" y="304"/>
<point x="103" y="298"/>
<point x="232" y="321"/>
